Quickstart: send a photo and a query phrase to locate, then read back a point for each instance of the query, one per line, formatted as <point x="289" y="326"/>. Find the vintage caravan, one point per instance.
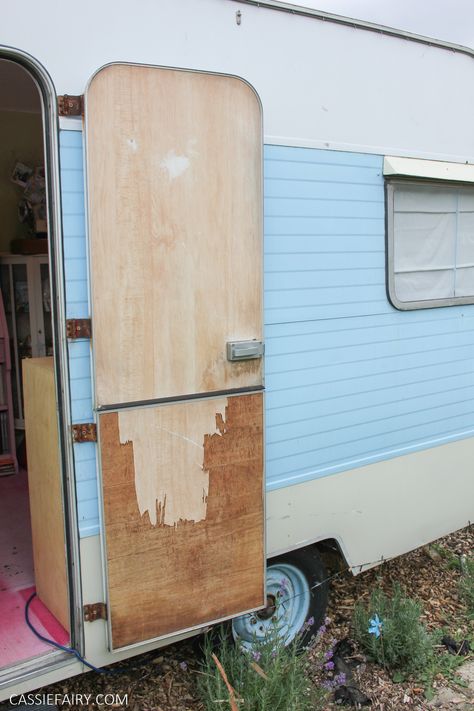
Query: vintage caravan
<point x="193" y="195"/>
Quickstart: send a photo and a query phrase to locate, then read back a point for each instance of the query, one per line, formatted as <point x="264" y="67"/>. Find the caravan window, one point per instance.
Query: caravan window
<point x="430" y="244"/>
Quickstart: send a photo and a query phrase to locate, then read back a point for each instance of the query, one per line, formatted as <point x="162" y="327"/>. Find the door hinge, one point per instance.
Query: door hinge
<point x="85" y="432"/>
<point x="95" y="611"/>
<point x="70" y="105"/>
<point x="78" y="328"/>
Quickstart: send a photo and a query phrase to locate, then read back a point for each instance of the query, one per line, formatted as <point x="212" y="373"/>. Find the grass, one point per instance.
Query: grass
<point x="466" y="585"/>
<point x="452" y="561"/>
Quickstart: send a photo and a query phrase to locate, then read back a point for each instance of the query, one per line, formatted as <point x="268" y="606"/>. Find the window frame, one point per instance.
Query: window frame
<point x="390" y="186"/>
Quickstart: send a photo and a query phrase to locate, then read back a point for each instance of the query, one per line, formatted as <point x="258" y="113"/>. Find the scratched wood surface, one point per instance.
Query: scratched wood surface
<point x="44" y="483"/>
<point x="175" y="225"/>
<point x="167" y="577"/>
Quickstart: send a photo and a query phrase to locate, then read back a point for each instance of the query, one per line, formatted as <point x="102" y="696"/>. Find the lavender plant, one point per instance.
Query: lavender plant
<point x="391" y="632"/>
<point x="269" y="677"/>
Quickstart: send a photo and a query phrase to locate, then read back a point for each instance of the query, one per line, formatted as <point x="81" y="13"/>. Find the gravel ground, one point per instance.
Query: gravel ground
<point x="165" y="680"/>
<point x="426" y="576"/>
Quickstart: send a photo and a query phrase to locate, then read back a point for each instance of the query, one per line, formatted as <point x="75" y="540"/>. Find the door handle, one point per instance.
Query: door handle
<point x="244" y="350"/>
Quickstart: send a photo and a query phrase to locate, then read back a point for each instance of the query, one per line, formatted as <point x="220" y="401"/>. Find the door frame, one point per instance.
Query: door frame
<point x="50" y="123"/>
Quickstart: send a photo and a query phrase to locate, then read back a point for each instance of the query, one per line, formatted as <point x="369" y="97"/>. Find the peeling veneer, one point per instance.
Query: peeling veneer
<point x="165" y="436"/>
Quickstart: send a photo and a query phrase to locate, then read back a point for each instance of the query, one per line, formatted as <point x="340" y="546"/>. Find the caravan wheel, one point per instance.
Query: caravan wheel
<point x="296" y="601"/>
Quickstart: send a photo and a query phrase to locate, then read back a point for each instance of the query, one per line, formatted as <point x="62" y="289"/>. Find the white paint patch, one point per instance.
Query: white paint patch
<point x="133" y="144"/>
<point x="168" y="455"/>
<point x="174" y="165"/>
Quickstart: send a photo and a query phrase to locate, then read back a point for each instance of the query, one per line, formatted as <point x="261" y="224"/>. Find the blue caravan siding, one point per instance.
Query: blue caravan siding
<point x="77" y="306"/>
<point x="349" y="380"/>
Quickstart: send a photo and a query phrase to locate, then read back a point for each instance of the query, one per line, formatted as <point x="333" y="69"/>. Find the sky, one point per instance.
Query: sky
<point x="449" y="20"/>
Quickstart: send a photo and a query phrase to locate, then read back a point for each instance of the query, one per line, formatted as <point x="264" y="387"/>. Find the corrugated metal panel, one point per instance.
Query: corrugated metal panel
<point x="77" y="306"/>
<point x="349" y="379"/>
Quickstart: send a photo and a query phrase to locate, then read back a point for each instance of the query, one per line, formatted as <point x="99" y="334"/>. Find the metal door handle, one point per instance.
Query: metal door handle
<point x="244" y="350"/>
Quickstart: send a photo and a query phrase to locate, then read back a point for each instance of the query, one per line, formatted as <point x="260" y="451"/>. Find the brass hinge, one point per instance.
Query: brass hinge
<point x="96" y="611"/>
<point x="70" y="105"/>
<point x="78" y="328"/>
<point x="85" y="432"/>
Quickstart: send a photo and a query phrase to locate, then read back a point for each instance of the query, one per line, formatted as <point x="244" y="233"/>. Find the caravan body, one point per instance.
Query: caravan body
<point x="207" y="125"/>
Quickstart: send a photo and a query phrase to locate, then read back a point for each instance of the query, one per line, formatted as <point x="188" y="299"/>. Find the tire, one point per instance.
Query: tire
<point x="296" y="601"/>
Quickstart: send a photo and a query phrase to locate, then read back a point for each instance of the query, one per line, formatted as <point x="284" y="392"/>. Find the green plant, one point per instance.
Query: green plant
<point x="390" y="631"/>
<point x="271" y="677"/>
<point x="451" y="559"/>
<point x="466" y="584"/>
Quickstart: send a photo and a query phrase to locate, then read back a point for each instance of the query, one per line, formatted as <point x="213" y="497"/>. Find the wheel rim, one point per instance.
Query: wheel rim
<point x="288" y="596"/>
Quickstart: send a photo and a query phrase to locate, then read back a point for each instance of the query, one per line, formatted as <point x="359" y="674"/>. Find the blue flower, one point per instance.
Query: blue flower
<point x="375" y="626"/>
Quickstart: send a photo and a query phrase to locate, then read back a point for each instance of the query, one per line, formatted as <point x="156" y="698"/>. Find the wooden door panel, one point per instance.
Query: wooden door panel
<point x="175" y="219"/>
<point x="183" y="513"/>
<point x="175" y="227"/>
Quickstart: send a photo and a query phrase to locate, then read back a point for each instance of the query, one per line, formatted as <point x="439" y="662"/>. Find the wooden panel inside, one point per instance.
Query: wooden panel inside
<point x="175" y="224"/>
<point x="44" y="482"/>
<point x="203" y="558"/>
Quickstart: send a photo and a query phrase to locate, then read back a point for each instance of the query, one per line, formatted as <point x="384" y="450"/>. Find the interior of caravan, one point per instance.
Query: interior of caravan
<point x="32" y="543"/>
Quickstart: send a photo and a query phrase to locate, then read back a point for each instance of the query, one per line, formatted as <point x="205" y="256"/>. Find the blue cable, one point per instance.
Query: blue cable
<point x="69" y="650"/>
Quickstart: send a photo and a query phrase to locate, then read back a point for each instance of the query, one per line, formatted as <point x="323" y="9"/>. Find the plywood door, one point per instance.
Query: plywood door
<point x="174" y="175"/>
<point x="183" y="512"/>
<point x="175" y="213"/>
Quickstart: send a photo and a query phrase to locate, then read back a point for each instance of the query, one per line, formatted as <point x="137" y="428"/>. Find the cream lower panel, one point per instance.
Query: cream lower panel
<point x="380" y="510"/>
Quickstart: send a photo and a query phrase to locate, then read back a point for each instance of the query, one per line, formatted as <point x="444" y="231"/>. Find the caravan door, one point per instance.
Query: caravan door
<point x="174" y="170"/>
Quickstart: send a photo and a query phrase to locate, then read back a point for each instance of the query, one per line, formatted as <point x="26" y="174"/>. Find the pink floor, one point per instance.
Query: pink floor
<point x="17" y="642"/>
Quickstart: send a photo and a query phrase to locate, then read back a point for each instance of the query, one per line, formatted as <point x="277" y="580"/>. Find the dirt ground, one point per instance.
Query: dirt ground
<point x="165" y="680"/>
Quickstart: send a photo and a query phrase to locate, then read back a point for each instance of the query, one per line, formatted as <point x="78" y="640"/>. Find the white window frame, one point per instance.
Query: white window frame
<point x="406" y="171"/>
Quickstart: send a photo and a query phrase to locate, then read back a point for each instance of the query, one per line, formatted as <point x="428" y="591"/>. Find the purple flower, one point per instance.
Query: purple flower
<point x="329" y="654"/>
<point x="256" y="656"/>
<point x="329" y="666"/>
<point x="307" y="625"/>
<point x="340" y="679"/>
<point x="183" y="666"/>
<point x="328" y="685"/>
<point x="322" y="630"/>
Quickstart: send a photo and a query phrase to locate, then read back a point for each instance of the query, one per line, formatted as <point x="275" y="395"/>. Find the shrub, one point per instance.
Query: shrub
<point x="402" y="643"/>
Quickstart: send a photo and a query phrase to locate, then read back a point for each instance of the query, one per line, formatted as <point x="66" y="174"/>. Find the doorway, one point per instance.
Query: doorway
<point x="33" y="563"/>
